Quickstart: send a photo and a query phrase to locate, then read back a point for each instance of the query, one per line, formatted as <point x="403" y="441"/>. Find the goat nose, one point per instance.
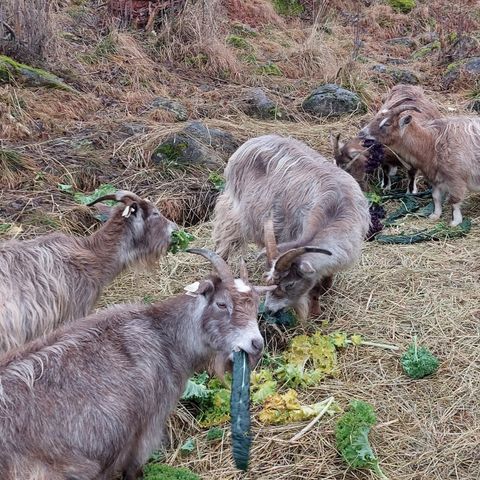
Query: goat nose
<point x="257" y="345"/>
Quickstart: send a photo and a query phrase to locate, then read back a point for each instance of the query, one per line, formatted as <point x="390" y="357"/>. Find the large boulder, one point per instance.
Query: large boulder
<point x="196" y="144"/>
<point x="331" y="100"/>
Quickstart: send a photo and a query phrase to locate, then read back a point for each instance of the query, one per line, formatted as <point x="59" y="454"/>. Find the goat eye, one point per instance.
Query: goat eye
<point x="221" y="305"/>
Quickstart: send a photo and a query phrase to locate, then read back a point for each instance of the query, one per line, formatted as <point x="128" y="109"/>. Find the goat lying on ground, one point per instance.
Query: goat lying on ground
<point x="56" y="278"/>
<point x="352" y="155"/>
<point x="446" y="150"/>
<point x="92" y="399"/>
<point x="320" y="217"/>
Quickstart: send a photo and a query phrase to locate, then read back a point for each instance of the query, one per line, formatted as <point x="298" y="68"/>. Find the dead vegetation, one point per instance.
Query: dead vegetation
<point x="207" y="58"/>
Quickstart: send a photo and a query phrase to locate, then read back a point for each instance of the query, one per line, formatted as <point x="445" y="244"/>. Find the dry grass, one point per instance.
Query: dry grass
<point x="428" y="429"/>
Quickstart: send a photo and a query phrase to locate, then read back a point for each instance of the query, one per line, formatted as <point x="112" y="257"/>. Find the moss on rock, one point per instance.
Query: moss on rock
<point x="10" y="71"/>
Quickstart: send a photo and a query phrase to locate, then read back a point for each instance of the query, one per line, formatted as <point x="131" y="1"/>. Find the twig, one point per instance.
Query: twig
<point x="386" y="346"/>
<point x="303" y="431"/>
<point x="386" y="424"/>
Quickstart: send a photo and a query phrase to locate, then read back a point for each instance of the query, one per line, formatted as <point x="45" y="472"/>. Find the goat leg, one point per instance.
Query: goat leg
<point x="320" y="289"/>
<point x="412" y="181"/>
<point x="437" y="202"/>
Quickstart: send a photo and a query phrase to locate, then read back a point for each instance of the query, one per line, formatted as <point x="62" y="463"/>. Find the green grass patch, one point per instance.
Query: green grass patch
<point x="270" y="69"/>
<point x="288" y="7"/>
<point x="156" y="471"/>
<point x="238" y="42"/>
<point x="402" y="6"/>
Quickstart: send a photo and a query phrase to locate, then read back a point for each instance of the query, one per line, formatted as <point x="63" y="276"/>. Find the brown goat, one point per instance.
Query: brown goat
<point x="320" y="217"/>
<point x="92" y="399"/>
<point x="426" y="110"/>
<point x="446" y="150"/>
<point x="352" y="156"/>
<point x="57" y="278"/>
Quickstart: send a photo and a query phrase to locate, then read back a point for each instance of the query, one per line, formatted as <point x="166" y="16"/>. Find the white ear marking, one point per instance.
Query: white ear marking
<point x="127" y="211"/>
<point x="192" y="288"/>
<point x="385" y="110"/>
<point x="241" y="286"/>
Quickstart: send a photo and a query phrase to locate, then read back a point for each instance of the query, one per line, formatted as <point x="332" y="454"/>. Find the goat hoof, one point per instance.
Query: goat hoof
<point x="454" y="223"/>
<point x="434" y="216"/>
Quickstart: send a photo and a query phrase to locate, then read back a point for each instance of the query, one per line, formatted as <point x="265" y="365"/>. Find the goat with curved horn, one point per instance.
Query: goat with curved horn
<point x="319" y="209"/>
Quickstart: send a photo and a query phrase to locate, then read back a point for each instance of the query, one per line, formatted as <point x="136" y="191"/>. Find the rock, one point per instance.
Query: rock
<point x="472" y="66"/>
<point x="216" y="138"/>
<point x="466" y="68"/>
<point x="428" y="37"/>
<point x="258" y="104"/>
<point x="196" y="144"/>
<point x="464" y="47"/>
<point x="134" y="128"/>
<point x="396" y="61"/>
<point x="332" y="100"/>
<point x="403" y="76"/>
<point x="398" y="75"/>
<point x="172" y="106"/>
<point x="426" y="50"/>
<point x="403" y="41"/>
<point x="29" y="76"/>
<point x="379" y="68"/>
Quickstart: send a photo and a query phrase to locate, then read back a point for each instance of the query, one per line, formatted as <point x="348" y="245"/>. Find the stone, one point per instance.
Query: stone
<point x="403" y="41"/>
<point x="172" y="106"/>
<point x="196" y="144"/>
<point x="257" y="104"/>
<point x="398" y="75"/>
<point x="331" y="100"/>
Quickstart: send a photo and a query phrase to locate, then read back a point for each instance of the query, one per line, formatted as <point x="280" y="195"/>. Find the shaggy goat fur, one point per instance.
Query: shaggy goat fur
<point x="57" y="278"/>
<point x="92" y="399"/>
<point x="447" y="151"/>
<point x="398" y="96"/>
<point x="313" y="203"/>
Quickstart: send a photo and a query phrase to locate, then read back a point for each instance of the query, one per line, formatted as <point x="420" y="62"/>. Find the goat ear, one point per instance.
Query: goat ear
<point x="130" y="209"/>
<point x="405" y="120"/>
<point x="306" y="267"/>
<point x="205" y="288"/>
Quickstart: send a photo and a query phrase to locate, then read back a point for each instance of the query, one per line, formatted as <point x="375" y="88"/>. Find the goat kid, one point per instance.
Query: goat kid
<point x="57" y="278"/>
<point x="92" y="399"/>
<point x="446" y="150"/>
<point x="279" y="187"/>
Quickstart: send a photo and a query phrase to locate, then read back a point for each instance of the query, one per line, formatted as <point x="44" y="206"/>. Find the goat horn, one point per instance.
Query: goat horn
<point x="264" y="288"/>
<point x="217" y="261"/>
<point x="119" y="196"/>
<point x="271" y="248"/>
<point x="243" y="270"/>
<point x="400" y="102"/>
<point x="285" y="261"/>
<point x="404" y="108"/>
